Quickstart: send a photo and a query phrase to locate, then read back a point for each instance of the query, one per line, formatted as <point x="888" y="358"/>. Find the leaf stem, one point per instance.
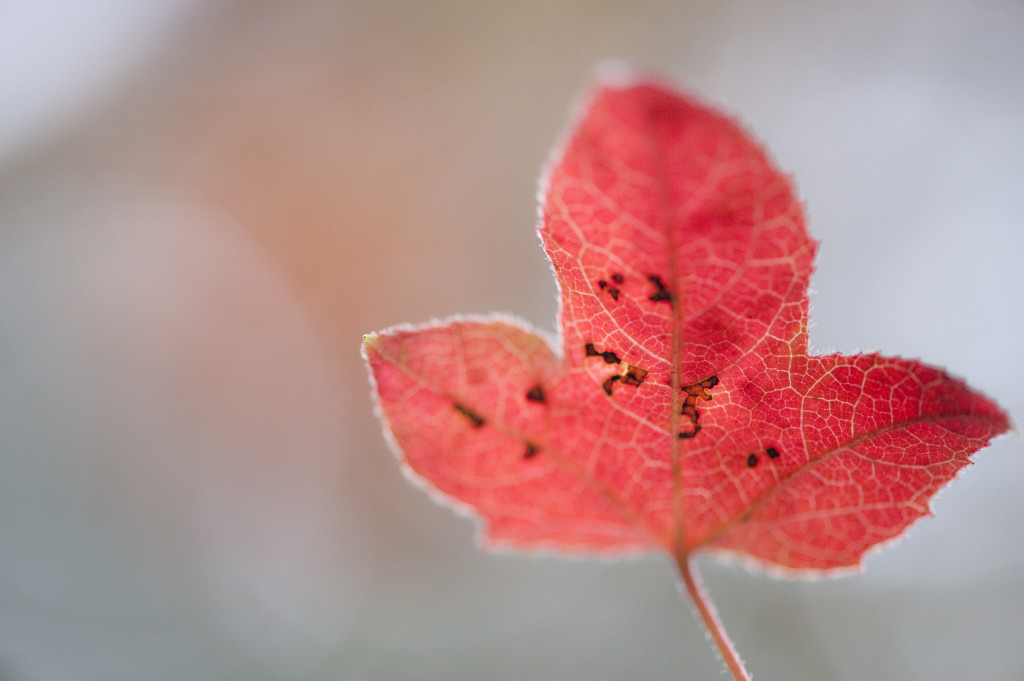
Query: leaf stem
<point x="710" y="618"/>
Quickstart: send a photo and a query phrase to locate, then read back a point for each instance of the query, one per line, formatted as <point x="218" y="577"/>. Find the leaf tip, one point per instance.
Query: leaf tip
<point x="370" y="341"/>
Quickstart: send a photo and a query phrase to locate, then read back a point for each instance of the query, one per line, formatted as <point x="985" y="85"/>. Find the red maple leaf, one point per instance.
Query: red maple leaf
<point x="682" y="411"/>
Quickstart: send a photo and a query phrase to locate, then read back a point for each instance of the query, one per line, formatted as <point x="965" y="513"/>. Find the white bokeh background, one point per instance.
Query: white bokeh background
<point x="203" y="206"/>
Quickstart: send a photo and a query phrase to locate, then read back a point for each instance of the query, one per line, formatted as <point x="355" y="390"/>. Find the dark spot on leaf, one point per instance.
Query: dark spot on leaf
<point x="772" y="453"/>
<point x="473" y="417"/>
<point x="662" y="292"/>
<point x="634" y="375"/>
<point x="531" y="451"/>
<point x="700" y="390"/>
<point x="536" y="394"/>
<point x="608" y="356"/>
<point x="692" y="393"/>
<point x="613" y="291"/>
<point x="751" y="460"/>
<point x="629" y="375"/>
<point x="692" y="433"/>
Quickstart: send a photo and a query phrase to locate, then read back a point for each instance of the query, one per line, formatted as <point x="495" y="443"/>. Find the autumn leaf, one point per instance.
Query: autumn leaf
<point x="681" y="410"/>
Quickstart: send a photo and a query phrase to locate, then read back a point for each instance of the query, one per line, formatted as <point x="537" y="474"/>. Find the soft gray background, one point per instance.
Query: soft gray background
<point x="204" y="205"/>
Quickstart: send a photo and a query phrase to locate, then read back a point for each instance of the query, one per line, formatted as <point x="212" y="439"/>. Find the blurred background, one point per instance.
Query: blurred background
<point x="204" y="205"/>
